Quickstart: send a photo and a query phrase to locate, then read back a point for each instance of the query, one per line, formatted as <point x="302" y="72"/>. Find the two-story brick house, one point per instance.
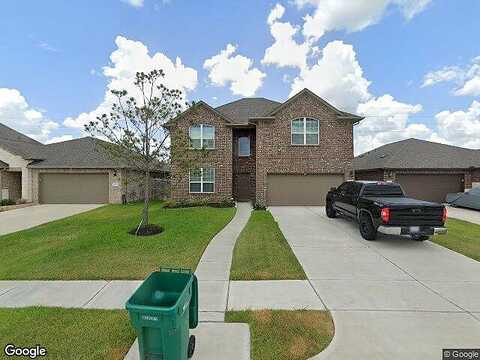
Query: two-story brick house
<point x="272" y="153"/>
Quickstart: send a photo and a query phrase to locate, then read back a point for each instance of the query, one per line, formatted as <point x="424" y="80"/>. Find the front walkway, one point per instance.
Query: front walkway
<point x="25" y="218"/>
<point x="392" y="298"/>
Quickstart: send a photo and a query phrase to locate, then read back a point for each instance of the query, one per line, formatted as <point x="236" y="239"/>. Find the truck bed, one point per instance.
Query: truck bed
<point x="401" y="201"/>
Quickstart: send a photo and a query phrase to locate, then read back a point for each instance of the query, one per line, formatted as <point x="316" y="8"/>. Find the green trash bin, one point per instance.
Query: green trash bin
<point x="162" y="310"/>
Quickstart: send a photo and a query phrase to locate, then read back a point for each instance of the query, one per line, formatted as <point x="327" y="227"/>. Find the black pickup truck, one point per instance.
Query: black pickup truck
<point x="383" y="207"/>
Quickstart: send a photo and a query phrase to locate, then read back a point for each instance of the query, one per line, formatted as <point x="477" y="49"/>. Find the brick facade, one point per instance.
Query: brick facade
<point x="219" y="158"/>
<point x="276" y="155"/>
<point x="272" y="152"/>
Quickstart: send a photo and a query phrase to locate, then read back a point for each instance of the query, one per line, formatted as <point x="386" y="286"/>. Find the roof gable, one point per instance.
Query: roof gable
<point x="19" y="144"/>
<point x="200" y="103"/>
<point x="304" y="92"/>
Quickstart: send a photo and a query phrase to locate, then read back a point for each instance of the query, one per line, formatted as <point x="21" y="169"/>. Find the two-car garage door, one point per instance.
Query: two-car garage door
<point x="81" y="188"/>
<point x="300" y="189"/>
<point x="431" y="187"/>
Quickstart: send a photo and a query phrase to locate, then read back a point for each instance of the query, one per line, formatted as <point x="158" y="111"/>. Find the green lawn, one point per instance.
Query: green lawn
<point x="68" y="333"/>
<point x="262" y="253"/>
<point x="462" y="237"/>
<point x="96" y="245"/>
<point x="285" y="335"/>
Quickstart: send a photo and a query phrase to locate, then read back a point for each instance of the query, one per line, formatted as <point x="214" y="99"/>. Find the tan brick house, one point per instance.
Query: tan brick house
<point x="426" y="170"/>
<point x="75" y="171"/>
<point x="272" y="153"/>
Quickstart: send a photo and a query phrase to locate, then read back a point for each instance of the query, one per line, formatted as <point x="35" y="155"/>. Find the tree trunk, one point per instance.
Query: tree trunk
<point x="147" y="198"/>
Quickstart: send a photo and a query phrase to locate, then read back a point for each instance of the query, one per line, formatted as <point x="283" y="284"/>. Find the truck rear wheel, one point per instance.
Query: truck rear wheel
<point x="367" y="230"/>
<point x="331" y="212"/>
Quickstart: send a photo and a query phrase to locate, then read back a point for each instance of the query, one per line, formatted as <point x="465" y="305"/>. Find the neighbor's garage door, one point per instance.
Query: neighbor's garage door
<point x="430" y="187"/>
<point x="57" y="188"/>
<point x="300" y="189"/>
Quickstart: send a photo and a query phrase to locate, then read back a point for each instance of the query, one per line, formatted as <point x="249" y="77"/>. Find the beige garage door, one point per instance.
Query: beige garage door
<point x="57" y="188"/>
<point x="300" y="189"/>
<point x="430" y="187"/>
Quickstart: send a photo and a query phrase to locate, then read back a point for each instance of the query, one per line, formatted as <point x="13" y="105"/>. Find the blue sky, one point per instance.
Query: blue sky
<point x="410" y="66"/>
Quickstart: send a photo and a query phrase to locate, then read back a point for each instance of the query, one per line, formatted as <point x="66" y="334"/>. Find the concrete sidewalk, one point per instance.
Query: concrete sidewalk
<point x="213" y="270"/>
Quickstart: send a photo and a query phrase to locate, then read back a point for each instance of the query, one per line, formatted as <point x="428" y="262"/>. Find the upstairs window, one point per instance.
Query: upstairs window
<point x="244" y="146"/>
<point x="202" y="180"/>
<point x="305" y="131"/>
<point x="202" y="136"/>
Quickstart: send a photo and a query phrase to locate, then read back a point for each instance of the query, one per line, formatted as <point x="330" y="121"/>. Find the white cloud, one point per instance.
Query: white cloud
<point x="276" y="14"/>
<point x="460" y="127"/>
<point x="134" y="3"/>
<point x="285" y="51"/>
<point x="47" y="47"/>
<point x="57" y="139"/>
<point x="129" y="58"/>
<point x="471" y="87"/>
<point x="448" y="73"/>
<point x="351" y="16"/>
<point x="411" y="8"/>
<point x="466" y="78"/>
<point x="16" y="113"/>
<point x="337" y="77"/>
<point x="236" y="70"/>
<point x="386" y="120"/>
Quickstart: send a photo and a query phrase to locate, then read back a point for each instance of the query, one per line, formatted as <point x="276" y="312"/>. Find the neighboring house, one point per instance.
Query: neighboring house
<point x="75" y="171"/>
<point x="257" y="149"/>
<point x="426" y="170"/>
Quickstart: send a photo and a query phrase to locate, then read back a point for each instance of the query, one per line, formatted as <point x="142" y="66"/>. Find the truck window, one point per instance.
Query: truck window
<point x="382" y="190"/>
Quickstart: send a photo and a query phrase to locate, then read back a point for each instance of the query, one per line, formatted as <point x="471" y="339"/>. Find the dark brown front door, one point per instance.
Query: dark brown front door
<point x="243" y="191"/>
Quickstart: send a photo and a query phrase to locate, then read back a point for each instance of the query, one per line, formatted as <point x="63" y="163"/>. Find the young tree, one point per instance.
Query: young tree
<point x="134" y="128"/>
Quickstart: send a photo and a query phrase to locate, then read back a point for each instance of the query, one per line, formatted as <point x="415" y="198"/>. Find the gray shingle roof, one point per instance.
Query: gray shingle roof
<point x="80" y="153"/>
<point x="85" y="152"/>
<point x="19" y="144"/>
<point x="240" y="111"/>
<point x="418" y="154"/>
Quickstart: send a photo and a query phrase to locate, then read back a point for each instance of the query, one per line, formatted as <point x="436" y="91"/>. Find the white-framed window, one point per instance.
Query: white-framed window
<point x="202" y="180"/>
<point x="305" y="131"/>
<point x="244" y="146"/>
<point x="202" y="136"/>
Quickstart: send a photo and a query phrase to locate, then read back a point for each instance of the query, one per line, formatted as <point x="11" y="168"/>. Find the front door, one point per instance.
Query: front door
<point x="243" y="190"/>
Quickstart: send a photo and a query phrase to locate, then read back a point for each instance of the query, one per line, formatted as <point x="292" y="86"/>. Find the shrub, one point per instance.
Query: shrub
<point x="172" y="204"/>
<point x="259" y="207"/>
<point x="6" y="202"/>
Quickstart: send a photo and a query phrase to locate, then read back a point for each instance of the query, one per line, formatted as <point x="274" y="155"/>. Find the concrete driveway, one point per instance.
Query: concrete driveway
<point x="470" y="215"/>
<point x="392" y="298"/>
<point x="20" y="219"/>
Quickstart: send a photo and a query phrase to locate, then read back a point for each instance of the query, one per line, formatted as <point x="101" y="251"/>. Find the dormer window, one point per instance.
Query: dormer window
<point x="305" y="131"/>
<point x="202" y="136"/>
